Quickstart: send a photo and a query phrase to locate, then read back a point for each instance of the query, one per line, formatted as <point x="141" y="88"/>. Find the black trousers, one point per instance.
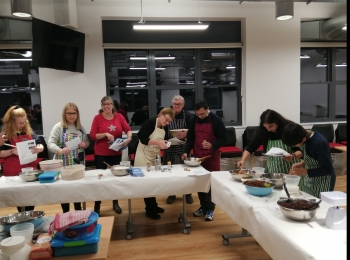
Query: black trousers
<point x="65" y="206"/>
<point x="205" y="201"/>
<point x="26" y="208"/>
<point x="151" y="204"/>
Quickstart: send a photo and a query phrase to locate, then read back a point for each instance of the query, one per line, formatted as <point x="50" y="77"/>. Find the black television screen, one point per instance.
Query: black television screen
<point x="57" y="47"/>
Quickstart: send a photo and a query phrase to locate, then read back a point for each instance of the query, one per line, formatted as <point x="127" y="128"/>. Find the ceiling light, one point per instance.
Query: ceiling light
<point x="230" y="67"/>
<point x="304" y="57"/>
<point x="325" y="65"/>
<point x="15" y="59"/>
<point x="156" y="58"/>
<point x="164" y="27"/>
<point x="21" y="8"/>
<point x="341" y="65"/>
<point x="321" y="65"/>
<point x="284" y="9"/>
<point x="144" y="68"/>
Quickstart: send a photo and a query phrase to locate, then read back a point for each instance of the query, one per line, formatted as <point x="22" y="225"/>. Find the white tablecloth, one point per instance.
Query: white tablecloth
<point x="280" y="237"/>
<point x="90" y="188"/>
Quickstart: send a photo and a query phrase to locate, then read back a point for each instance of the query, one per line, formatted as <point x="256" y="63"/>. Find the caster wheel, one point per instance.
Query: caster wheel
<point x="129" y="237"/>
<point x="225" y="242"/>
<point x="185" y="231"/>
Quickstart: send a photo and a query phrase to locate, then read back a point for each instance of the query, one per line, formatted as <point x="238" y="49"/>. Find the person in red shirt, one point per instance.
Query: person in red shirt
<point x="107" y="126"/>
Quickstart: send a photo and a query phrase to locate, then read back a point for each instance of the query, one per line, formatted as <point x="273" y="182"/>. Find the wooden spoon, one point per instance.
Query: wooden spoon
<point x="107" y="165"/>
<point x="201" y="159"/>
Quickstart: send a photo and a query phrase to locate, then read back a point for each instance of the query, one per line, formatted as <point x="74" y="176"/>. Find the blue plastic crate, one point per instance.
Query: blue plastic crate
<point x="47" y="177"/>
<point x="62" y="247"/>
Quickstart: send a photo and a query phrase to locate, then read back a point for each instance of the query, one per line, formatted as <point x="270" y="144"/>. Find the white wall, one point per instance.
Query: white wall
<point x="271" y="48"/>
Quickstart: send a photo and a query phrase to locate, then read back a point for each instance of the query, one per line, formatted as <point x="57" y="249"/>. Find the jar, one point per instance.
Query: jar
<point x="169" y="166"/>
<point x="157" y="163"/>
<point x="14" y="248"/>
<point x="148" y="167"/>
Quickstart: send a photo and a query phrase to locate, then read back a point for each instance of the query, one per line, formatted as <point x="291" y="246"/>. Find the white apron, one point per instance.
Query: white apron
<point x="147" y="153"/>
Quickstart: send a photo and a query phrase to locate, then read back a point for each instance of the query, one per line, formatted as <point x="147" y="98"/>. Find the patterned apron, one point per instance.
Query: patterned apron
<point x="76" y="153"/>
<point x="174" y="152"/>
<point x="205" y="132"/>
<point x="277" y="164"/>
<point x="12" y="166"/>
<point x="147" y="153"/>
<point x="314" y="185"/>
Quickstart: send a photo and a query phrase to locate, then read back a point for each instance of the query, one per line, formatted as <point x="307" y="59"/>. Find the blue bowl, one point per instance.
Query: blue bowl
<point x="257" y="191"/>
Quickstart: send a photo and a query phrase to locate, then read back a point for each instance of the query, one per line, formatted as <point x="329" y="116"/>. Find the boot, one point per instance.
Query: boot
<point x="116" y="207"/>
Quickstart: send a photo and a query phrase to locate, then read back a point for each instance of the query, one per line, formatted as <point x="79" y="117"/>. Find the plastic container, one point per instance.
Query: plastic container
<point x="125" y="163"/>
<point x="14" y="248"/>
<point x="24" y="229"/>
<point x="157" y="163"/>
<point x="292" y="180"/>
<point x="48" y="177"/>
<point x="62" y="247"/>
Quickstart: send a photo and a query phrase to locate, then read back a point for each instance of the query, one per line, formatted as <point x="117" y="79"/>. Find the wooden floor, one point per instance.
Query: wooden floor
<point x="163" y="239"/>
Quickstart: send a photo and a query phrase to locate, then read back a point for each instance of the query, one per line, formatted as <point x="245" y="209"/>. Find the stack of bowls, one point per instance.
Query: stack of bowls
<point x="24" y="229"/>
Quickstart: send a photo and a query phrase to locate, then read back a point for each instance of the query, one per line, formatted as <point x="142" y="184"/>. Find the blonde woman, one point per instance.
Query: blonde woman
<point x="68" y="129"/>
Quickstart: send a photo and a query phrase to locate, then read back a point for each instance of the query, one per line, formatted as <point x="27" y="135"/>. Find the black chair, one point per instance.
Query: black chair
<point x="230" y="149"/>
<point x="327" y="130"/>
<point x="340" y="134"/>
<point x="220" y="114"/>
<point x="90" y="154"/>
<point x="248" y="136"/>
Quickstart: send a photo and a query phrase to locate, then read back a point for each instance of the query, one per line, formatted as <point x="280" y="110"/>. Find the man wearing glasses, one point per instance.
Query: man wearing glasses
<point x="175" y="151"/>
<point x="206" y="134"/>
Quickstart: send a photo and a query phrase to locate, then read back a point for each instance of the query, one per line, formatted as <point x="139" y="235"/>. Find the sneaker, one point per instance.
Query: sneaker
<point x="198" y="213"/>
<point x="189" y="199"/>
<point x="209" y="216"/>
<point x="171" y="199"/>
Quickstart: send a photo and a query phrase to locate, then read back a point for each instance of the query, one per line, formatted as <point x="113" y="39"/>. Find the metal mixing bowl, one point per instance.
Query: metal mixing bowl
<point x="35" y="217"/>
<point x="276" y="178"/>
<point x="295" y="214"/>
<point x="118" y="170"/>
<point x="193" y="161"/>
<point x="30" y="175"/>
<point x="237" y="174"/>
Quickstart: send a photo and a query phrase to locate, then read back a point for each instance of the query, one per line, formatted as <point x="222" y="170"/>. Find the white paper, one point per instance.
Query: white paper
<point x="176" y="141"/>
<point x="198" y="172"/>
<point x="116" y="145"/>
<point x="24" y="151"/>
<point x="73" y="144"/>
<point x="275" y="151"/>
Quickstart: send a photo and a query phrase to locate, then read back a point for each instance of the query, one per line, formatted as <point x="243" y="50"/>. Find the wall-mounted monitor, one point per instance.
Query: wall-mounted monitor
<point x="57" y="47"/>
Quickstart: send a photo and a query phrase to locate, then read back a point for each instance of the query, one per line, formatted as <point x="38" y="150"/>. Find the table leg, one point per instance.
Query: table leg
<point x="182" y="216"/>
<point x="129" y="223"/>
<point x="84" y="205"/>
<point x="226" y="237"/>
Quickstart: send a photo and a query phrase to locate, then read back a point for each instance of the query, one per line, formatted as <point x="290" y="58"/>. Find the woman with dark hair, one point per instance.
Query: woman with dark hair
<point x="17" y="129"/>
<point x="107" y="126"/>
<point x="269" y="134"/>
<point x="67" y="129"/>
<point x="317" y="166"/>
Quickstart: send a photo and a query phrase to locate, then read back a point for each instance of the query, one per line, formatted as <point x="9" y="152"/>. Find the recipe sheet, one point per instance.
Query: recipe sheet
<point x="25" y="153"/>
<point x="73" y="144"/>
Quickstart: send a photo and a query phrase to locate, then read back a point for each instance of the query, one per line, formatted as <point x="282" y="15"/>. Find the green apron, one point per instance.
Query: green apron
<point x="277" y="164"/>
<point x="314" y="185"/>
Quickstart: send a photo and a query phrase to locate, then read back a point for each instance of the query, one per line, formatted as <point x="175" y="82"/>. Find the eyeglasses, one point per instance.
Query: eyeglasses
<point x="71" y="114"/>
<point x="177" y="104"/>
<point x="21" y="123"/>
<point x="167" y="120"/>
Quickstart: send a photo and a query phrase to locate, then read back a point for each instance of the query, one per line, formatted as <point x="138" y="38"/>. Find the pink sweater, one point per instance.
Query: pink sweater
<point x="116" y="126"/>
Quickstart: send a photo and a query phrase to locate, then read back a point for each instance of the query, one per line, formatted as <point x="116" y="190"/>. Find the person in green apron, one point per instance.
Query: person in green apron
<point x="67" y="130"/>
<point x="317" y="166"/>
<point x="151" y="140"/>
<point x="269" y="134"/>
<point x="174" y="153"/>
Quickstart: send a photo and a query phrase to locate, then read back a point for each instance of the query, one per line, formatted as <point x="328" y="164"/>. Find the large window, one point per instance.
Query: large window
<point x="323" y="83"/>
<point x="148" y="79"/>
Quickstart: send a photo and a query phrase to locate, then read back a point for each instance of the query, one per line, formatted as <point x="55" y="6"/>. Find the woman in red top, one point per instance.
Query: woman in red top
<point x="17" y="129"/>
<point x="107" y="126"/>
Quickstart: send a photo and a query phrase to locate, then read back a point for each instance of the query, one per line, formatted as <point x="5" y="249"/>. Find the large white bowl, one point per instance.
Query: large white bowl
<point x="73" y="172"/>
<point x="49" y="165"/>
<point x="175" y="131"/>
<point x="192" y="162"/>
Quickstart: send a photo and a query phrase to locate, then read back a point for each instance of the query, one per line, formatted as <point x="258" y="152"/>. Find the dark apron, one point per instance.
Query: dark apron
<point x="205" y="132"/>
<point x="12" y="166"/>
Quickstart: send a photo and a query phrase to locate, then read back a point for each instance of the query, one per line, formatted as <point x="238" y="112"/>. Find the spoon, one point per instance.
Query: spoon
<point x="286" y="190"/>
<point x="107" y="164"/>
<point x="314" y="204"/>
<point x="201" y="159"/>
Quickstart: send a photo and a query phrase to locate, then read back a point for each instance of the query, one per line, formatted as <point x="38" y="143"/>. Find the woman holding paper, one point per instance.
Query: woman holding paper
<point x="17" y="129"/>
<point x="269" y="134"/>
<point x="106" y="127"/>
<point x="67" y="141"/>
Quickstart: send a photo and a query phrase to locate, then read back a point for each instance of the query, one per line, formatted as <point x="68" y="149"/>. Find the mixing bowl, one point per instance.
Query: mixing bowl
<point x="30" y="175"/>
<point x="175" y="131"/>
<point x="118" y="170"/>
<point x="34" y="217"/>
<point x="259" y="191"/>
<point x="193" y="161"/>
<point x="276" y="178"/>
<point x="297" y="214"/>
<point x="238" y="174"/>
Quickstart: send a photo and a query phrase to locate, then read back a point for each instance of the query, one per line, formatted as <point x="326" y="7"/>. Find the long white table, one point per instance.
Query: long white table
<point x="108" y="187"/>
<point x="280" y="237"/>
